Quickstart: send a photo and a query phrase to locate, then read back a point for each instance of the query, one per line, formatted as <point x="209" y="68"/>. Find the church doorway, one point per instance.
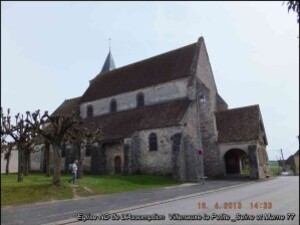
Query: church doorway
<point x="235" y="161"/>
<point x="118" y="164"/>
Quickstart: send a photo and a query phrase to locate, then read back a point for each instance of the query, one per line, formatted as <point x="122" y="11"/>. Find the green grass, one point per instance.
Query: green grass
<point x="274" y="170"/>
<point x="38" y="188"/>
<point x="246" y="171"/>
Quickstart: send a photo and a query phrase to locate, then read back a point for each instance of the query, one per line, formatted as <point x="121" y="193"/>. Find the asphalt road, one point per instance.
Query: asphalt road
<point x="62" y="210"/>
<point x="278" y="203"/>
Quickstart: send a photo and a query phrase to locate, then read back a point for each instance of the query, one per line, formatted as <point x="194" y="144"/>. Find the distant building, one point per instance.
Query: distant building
<point x="13" y="164"/>
<point x="157" y="113"/>
<point x="293" y="162"/>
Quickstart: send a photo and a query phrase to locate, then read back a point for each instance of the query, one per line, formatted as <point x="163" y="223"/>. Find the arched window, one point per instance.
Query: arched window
<point x="113" y="105"/>
<point x="88" y="148"/>
<point x="89" y="111"/>
<point x="140" y="100"/>
<point x="63" y="151"/>
<point x="152" y="142"/>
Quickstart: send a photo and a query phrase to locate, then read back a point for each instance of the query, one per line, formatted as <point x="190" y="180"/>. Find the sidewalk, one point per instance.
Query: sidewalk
<point x="67" y="210"/>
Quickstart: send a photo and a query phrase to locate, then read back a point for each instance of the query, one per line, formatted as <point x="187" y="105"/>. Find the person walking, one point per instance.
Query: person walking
<point x="74" y="171"/>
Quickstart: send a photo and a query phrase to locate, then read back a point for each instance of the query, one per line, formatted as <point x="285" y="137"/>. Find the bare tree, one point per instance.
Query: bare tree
<point x="22" y="136"/>
<point x="58" y="130"/>
<point x="294" y="6"/>
<point x="55" y="130"/>
<point x="47" y="158"/>
<point x="79" y="137"/>
<point x="6" y="150"/>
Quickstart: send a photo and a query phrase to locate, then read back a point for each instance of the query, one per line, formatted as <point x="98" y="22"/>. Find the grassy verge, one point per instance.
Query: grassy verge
<point x="274" y="170"/>
<point x="38" y="188"/>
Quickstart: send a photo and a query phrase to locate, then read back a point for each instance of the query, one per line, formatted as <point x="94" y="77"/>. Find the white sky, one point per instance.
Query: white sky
<point x="50" y="51"/>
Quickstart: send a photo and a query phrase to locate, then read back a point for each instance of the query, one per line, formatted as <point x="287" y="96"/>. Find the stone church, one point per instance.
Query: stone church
<point x="164" y="115"/>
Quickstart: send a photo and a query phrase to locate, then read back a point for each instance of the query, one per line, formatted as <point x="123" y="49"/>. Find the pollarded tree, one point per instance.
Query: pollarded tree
<point x="294" y="6"/>
<point x="79" y="137"/>
<point x="55" y="130"/>
<point x="58" y="130"/>
<point x="6" y="150"/>
<point x="22" y="135"/>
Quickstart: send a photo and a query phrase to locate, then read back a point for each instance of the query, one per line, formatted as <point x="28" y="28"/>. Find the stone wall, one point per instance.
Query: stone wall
<point x="13" y="164"/>
<point x="191" y="158"/>
<point x="212" y="164"/>
<point x="296" y="159"/>
<point x="154" y="162"/>
<point x="35" y="158"/>
<point x="255" y="172"/>
<point x="205" y="74"/>
<point x="112" y="151"/>
<point x="184" y="159"/>
<point x="221" y="104"/>
<point x="192" y="142"/>
<point x="98" y="159"/>
<point x="154" y="94"/>
<point x="87" y="163"/>
<point x="178" y="165"/>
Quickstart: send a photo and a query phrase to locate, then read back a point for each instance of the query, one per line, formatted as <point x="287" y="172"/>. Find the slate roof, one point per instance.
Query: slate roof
<point x="159" y="69"/>
<point x="109" y="64"/>
<point x="67" y="107"/>
<point x="124" y="123"/>
<point x="238" y="124"/>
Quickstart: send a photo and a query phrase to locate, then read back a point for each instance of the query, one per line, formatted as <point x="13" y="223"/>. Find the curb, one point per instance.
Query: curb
<point x="74" y="220"/>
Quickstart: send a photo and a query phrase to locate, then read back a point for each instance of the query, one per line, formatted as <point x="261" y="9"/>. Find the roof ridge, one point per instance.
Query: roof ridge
<point x="145" y="60"/>
<point x="69" y="99"/>
<point x="157" y="69"/>
<point x="239" y="108"/>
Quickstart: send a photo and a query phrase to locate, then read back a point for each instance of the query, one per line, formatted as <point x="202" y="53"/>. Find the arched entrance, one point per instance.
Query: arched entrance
<point x="235" y="161"/>
<point x="118" y="164"/>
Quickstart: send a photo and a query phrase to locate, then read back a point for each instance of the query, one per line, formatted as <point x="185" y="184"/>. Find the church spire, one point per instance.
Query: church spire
<point x="109" y="63"/>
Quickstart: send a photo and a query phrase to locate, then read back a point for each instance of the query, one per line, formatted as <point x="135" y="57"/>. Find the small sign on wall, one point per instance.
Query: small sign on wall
<point x="200" y="151"/>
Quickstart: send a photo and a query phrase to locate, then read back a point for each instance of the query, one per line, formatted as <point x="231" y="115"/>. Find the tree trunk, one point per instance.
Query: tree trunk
<point x="26" y="162"/>
<point x="56" y="164"/>
<point x="78" y="156"/>
<point x="7" y="163"/>
<point x="20" y="164"/>
<point x="47" y="161"/>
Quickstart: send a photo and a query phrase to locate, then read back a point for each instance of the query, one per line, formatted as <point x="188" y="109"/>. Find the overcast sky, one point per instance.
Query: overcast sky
<point x="50" y="51"/>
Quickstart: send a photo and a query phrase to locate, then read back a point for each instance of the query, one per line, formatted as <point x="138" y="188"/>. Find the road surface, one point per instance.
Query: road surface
<point x="271" y="202"/>
<point x="281" y="192"/>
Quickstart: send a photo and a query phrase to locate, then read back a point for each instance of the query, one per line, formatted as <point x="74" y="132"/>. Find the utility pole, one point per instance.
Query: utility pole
<point x="283" y="161"/>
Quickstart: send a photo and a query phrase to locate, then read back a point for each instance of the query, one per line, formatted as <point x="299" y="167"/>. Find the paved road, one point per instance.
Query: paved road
<point x="281" y="195"/>
<point x="62" y="210"/>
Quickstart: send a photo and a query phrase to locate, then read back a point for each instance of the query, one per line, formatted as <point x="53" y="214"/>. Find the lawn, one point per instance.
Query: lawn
<point x="38" y="188"/>
<point x="274" y="168"/>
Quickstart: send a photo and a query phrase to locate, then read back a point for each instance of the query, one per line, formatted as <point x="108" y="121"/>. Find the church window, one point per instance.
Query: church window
<point x="89" y="111"/>
<point x="63" y="151"/>
<point x="140" y="100"/>
<point x="88" y="148"/>
<point x="113" y="106"/>
<point x="152" y="142"/>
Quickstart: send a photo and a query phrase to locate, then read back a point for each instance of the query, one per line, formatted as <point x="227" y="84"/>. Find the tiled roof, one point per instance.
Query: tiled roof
<point x="238" y="124"/>
<point x="123" y="124"/>
<point x="159" y="69"/>
<point x="67" y="107"/>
